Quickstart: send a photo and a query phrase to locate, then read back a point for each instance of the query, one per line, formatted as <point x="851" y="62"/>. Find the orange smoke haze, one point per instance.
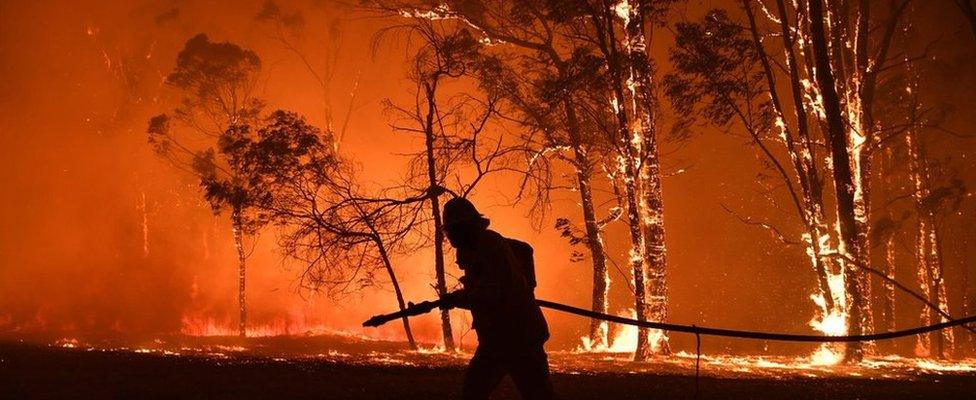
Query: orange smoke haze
<point x="100" y="237"/>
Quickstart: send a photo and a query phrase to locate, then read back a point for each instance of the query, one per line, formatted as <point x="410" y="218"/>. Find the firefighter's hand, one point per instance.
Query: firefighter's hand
<point x="454" y="299"/>
<point x="448" y="300"/>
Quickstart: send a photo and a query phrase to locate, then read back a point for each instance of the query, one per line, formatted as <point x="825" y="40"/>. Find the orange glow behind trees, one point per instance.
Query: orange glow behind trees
<point x="839" y="133"/>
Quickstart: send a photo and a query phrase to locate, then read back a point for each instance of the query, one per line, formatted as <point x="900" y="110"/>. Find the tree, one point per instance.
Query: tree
<point x="453" y="130"/>
<point x="290" y="31"/>
<point x="722" y="75"/>
<point x="544" y="92"/>
<point x="560" y="72"/>
<point x="215" y="82"/>
<point x="557" y="39"/>
<point x="930" y="201"/>
<point x="636" y="141"/>
<point x="340" y="234"/>
<point x="834" y="90"/>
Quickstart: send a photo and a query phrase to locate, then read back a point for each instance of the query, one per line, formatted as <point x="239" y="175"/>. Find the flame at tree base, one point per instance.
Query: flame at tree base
<point x="624" y="339"/>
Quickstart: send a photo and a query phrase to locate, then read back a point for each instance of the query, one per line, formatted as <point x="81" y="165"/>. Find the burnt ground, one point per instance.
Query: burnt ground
<point x="52" y="372"/>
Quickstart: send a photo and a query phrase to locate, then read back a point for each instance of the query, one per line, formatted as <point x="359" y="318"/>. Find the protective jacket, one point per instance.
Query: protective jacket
<point x="498" y="289"/>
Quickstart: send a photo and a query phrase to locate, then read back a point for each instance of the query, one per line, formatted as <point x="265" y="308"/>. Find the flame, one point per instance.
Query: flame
<point x="622" y="9"/>
<point x="624" y="339"/>
<point x="205" y="326"/>
<point x="831" y="322"/>
<point x="820" y="365"/>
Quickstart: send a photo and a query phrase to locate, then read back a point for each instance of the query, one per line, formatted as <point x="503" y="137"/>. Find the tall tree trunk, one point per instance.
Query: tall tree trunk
<point x="630" y="167"/>
<point x="800" y="152"/>
<point x="861" y="98"/>
<point x="638" y="265"/>
<point x="238" y="227"/>
<point x="928" y="254"/>
<point x="648" y="169"/>
<point x="888" y="288"/>
<point x="946" y="337"/>
<point x="934" y="344"/>
<point x="396" y="288"/>
<point x="594" y="238"/>
<point x="888" y="299"/>
<point x="843" y="177"/>
<point x="594" y="241"/>
<point x="435" y="207"/>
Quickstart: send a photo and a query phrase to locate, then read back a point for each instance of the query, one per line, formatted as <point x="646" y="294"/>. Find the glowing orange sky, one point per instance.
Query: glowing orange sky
<point x="74" y="166"/>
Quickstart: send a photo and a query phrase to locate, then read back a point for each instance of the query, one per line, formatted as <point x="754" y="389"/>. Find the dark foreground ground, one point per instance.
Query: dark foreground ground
<point x="50" y="372"/>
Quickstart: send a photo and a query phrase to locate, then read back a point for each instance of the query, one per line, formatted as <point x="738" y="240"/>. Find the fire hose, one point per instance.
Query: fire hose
<point x="786" y="337"/>
<point x="427" y="306"/>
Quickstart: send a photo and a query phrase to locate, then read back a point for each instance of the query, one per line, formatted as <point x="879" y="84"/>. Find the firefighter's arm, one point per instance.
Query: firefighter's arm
<point x="455" y="299"/>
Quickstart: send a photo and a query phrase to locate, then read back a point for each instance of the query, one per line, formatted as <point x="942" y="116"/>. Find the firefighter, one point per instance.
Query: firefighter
<point x="498" y="290"/>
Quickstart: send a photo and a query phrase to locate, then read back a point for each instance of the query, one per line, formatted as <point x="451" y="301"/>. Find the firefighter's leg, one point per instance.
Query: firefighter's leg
<point x="529" y="370"/>
<point x="484" y="373"/>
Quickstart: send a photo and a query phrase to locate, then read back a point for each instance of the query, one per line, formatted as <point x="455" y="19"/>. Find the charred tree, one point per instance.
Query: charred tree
<point x="723" y="73"/>
<point x="843" y="175"/>
<point x="928" y="253"/>
<point x="458" y="151"/>
<point x="645" y="138"/>
<point x="531" y="27"/>
<point x="622" y="37"/>
<point x="594" y="240"/>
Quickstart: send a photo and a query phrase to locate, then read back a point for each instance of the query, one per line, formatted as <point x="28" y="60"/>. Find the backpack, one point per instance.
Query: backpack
<point x="524" y="254"/>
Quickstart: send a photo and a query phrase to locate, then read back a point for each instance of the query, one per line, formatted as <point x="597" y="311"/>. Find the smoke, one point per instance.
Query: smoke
<point x="98" y="236"/>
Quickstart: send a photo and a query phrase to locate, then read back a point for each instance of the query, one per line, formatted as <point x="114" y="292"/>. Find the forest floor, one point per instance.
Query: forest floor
<point x="328" y="369"/>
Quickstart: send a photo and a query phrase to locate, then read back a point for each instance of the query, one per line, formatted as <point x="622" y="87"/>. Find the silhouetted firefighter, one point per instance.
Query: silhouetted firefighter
<point x="499" y="283"/>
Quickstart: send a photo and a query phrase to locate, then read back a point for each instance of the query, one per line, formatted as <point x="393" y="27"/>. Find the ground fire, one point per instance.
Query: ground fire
<point x="718" y="199"/>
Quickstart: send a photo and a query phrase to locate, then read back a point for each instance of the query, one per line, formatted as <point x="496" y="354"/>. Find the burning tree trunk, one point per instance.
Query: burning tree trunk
<point x="928" y="254"/>
<point x="802" y="153"/>
<point x="636" y="145"/>
<point x="601" y="278"/>
<point x="645" y="139"/>
<point x="844" y="179"/>
<point x="722" y="75"/>
<point x="629" y="165"/>
<point x="809" y="199"/>
<point x="599" y="329"/>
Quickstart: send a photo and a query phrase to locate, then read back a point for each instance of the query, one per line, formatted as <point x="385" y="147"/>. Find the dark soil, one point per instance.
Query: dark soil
<point x="50" y="372"/>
